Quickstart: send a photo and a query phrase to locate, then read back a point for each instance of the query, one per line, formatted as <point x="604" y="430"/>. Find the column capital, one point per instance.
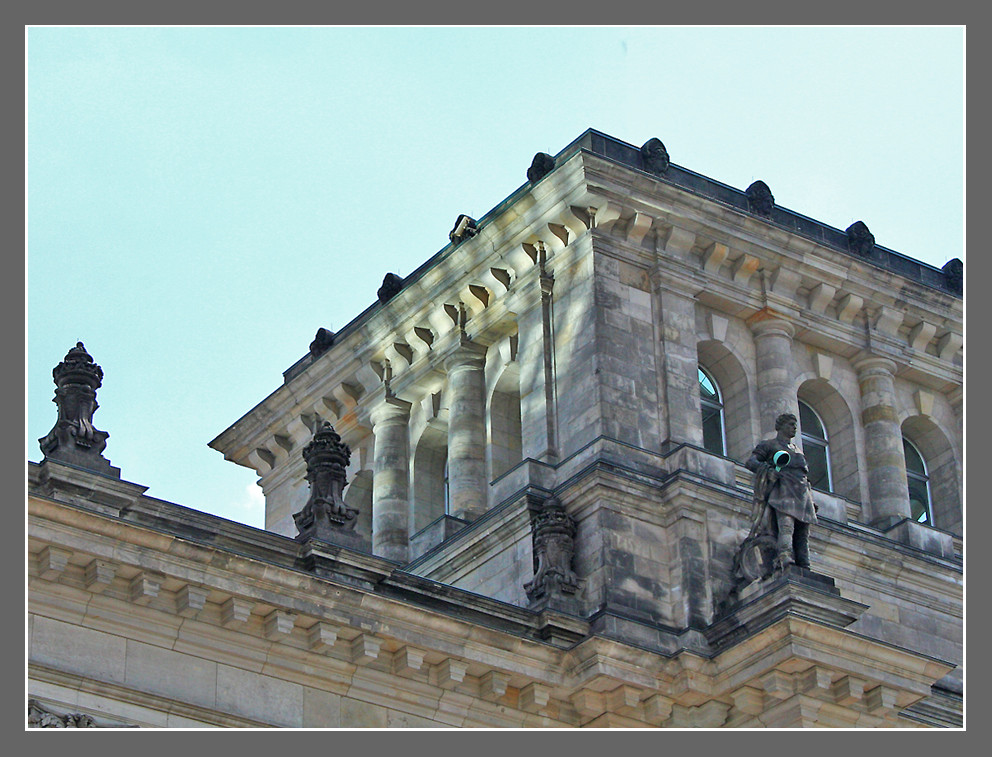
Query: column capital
<point x="465" y="353"/>
<point x="869" y="364"/>
<point x="768" y="322"/>
<point x="390" y="409"/>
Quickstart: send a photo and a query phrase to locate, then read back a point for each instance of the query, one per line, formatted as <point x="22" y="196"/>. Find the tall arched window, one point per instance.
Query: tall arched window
<point x="816" y="448"/>
<point x="711" y="406"/>
<point x="918" y="482"/>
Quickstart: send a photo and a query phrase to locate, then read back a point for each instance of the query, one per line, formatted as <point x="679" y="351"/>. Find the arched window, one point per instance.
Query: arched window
<point x="711" y="406"/>
<point x="816" y="448"/>
<point x="918" y="482"/>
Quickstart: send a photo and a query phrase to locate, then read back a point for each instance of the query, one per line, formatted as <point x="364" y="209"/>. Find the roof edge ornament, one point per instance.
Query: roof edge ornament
<point x="392" y="284"/>
<point x="655" y="156"/>
<point x="860" y="240"/>
<point x="541" y="166"/>
<point x="760" y="200"/>
<point x="465" y="227"/>
<point x="74" y="439"/>
<point x="954" y="272"/>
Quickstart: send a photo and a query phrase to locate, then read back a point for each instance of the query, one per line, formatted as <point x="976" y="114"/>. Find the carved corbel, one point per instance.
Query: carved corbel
<point x="605" y="215"/>
<point x="568" y="218"/>
<point x="948" y="345"/>
<point x="440" y="320"/>
<point x="921" y="334"/>
<point x="475" y="298"/>
<point x="261" y="460"/>
<point x="714" y="256"/>
<point x="887" y="320"/>
<point x="496" y="280"/>
<point x="744" y="268"/>
<point x="638" y="227"/>
<point x="679" y="242"/>
<point x="820" y="296"/>
<point x="848" y="308"/>
<point x="784" y="282"/>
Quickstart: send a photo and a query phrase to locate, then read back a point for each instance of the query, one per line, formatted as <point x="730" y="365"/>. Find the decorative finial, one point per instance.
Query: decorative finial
<point x="74" y="439"/>
<point x="554" y="545"/>
<point x="325" y="512"/>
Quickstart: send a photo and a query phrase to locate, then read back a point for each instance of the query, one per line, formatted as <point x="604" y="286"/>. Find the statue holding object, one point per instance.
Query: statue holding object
<point x="783" y="506"/>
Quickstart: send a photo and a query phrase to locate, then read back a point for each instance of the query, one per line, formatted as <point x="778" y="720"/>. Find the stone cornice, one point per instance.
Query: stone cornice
<point x="590" y="192"/>
<point x="208" y="594"/>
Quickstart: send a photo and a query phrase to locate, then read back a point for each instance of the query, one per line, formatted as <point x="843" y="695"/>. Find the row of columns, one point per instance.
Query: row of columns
<point x="775" y="380"/>
<point x="467" y="481"/>
<point x="887" y="491"/>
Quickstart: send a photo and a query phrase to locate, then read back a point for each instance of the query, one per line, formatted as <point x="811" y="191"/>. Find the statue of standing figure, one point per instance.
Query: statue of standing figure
<point x="783" y="500"/>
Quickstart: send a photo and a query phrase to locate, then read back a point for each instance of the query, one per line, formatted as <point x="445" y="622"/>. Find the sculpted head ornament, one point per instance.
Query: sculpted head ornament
<point x="655" y="156"/>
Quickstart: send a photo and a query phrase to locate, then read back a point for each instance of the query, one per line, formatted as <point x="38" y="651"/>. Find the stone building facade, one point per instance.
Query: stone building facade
<point x="539" y="504"/>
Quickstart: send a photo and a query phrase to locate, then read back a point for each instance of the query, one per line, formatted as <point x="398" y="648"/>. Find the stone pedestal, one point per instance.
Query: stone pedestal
<point x="467" y="482"/>
<point x="888" y="495"/>
<point x="795" y="591"/>
<point x="391" y="480"/>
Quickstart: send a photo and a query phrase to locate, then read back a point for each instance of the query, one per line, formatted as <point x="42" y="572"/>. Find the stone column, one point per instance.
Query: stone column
<point x="468" y="488"/>
<point x="390" y="480"/>
<point x="888" y="496"/>
<point x="775" y="376"/>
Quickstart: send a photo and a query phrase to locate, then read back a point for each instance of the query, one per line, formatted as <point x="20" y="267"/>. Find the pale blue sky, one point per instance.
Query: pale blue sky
<point x="201" y="200"/>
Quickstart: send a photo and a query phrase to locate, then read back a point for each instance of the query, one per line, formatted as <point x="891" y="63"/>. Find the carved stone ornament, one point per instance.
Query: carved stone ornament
<point x="74" y="439"/>
<point x="541" y="166"/>
<point x="759" y="199"/>
<point x="554" y="546"/>
<point x="465" y="228"/>
<point x="322" y="342"/>
<point x="655" y="156"/>
<point x="954" y="272"/>
<point x="41" y="717"/>
<point x="327" y="459"/>
<point x="859" y="239"/>
<point x="391" y="286"/>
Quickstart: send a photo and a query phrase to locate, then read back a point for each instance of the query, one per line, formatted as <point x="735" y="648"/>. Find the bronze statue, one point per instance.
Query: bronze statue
<point x="783" y="500"/>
